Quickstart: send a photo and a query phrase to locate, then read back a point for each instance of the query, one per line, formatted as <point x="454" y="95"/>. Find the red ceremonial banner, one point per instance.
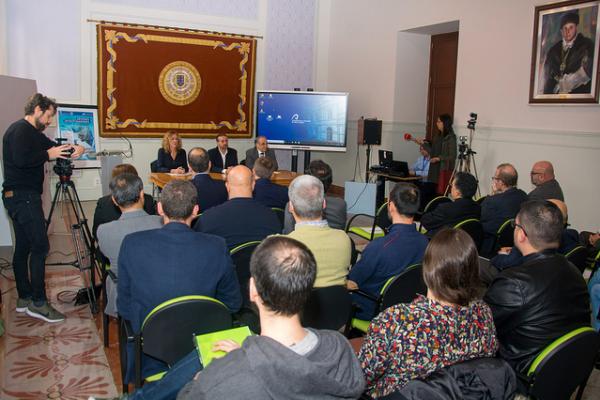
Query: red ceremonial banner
<point x="151" y="80"/>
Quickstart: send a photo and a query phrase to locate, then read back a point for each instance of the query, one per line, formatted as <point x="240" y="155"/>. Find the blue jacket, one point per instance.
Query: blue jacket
<point x="270" y="194"/>
<point x="383" y="258"/>
<point x="238" y="221"/>
<point x="161" y="264"/>
<point x="495" y="210"/>
<point x="210" y="192"/>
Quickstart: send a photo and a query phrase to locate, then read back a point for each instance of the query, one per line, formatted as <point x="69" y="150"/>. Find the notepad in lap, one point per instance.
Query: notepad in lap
<point x="205" y="343"/>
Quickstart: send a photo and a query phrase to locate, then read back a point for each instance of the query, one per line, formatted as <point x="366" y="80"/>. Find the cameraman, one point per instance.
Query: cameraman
<point x="26" y="150"/>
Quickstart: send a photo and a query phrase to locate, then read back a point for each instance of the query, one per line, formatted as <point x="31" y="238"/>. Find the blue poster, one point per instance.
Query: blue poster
<point x="79" y="127"/>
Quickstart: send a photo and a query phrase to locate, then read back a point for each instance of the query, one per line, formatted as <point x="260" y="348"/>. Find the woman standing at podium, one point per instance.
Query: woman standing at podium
<point x="171" y="157"/>
<point x="443" y="153"/>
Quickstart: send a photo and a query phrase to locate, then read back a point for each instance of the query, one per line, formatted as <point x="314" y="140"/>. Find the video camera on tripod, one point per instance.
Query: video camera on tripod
<point x="64" y="166"/>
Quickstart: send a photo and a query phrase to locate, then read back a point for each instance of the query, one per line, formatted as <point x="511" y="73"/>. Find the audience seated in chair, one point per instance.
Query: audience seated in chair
<point x="462" y="189"/>
<point x="128" y="194"/>
<point x="544" y="297"/>
<point x="161" y="264"/>
<point x="266" y="192"/>
<point x="335" y="209"/>
<point x="240" y="219"/>
<point x="222" y="156"/>
<point x="502" y="204"/>
<point x="106" y="210"/>
<point x="511" y="257"/>
<point x="331" y="247"/>
<point x="546" y="186"/>
<point x="211" y="192"/>
<point x="286" y="360"/>
<point x="450" y="325"/>
<point x="389" y="255"/>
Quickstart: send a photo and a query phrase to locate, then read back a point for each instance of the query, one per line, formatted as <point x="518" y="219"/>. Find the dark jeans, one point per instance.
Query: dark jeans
<point x="31" y="243"/>
<point x="177" y="377"/>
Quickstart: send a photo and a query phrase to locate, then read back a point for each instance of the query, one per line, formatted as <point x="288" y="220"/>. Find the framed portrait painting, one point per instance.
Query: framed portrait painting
<point x="564" y="61"/>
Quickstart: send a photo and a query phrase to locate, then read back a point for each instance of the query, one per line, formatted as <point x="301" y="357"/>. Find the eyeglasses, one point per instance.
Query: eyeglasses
<point x="536" y="173"/>
<point x="514" y="224"/>
<point x="495" y="178"/>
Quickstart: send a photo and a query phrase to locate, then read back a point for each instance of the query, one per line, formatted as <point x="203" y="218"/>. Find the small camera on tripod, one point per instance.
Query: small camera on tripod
<point x="64" y="166"/>
<point x="472" y="121"/>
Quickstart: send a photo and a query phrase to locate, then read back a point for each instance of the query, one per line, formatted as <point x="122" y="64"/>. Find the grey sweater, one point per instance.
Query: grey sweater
<point x="266" y="369"/>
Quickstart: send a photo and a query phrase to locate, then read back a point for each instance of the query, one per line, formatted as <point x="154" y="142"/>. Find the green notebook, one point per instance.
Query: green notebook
<point x="204" y="343"/>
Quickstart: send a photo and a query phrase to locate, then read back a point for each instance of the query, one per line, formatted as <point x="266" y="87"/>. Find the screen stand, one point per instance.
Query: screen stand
<point x="368" y="163"/>
<point x="294" y="160"/>
<point x="306" y="160"/>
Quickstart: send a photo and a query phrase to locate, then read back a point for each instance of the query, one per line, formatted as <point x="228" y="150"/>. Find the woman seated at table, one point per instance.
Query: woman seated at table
<point x="171" y="157"/>
<point x="452" y="324"/>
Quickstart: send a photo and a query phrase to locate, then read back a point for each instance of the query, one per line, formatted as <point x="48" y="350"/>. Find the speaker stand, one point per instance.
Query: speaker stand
<point x="294" y="160"/>
<point x="368" y="163"/>
<point x="306" y="160"/>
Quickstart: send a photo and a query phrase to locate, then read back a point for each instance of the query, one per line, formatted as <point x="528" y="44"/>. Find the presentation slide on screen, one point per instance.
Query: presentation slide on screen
<point x="317" y="119"/>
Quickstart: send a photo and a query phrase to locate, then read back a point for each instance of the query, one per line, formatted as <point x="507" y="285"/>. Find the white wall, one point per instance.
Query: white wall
<point x="52" y="42"/>
<point x="494" y="56"/>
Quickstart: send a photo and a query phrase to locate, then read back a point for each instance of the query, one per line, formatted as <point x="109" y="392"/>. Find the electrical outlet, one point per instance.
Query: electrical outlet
<point x="97" y="182"/>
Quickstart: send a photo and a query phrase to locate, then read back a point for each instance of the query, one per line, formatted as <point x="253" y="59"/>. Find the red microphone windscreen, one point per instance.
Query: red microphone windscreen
<point x="407" y="136"/>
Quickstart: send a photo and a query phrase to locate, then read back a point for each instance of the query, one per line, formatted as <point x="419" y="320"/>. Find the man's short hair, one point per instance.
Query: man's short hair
<point x="126" y="189"/>
<point x="178" y="199"/>
<point x="451" y="267"/>
<point x="264" y="167"/>
<point x="40" y="100"/>
<point x="322" y="171"/>
<point x="570" y="17"/>
<point x="198" y="159"/>
<point x="406" y="198"/>
<point x="542" y="222"/>
<point x="284" y="272"/>
<point x="221" y="135"/>
<point x="306" y="195"/>
<point x="507" y="174"/>
<point x="124" y="169"/>
<point x="466" y="184"/>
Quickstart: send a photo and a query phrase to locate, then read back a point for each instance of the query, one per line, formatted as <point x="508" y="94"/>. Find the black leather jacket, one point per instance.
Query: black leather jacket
<point x="535" y="303"/>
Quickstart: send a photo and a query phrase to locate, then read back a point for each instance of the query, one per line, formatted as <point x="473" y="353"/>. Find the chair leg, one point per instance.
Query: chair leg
<point x="105" y="328"/>
<point x="123" y="355"/>
<point x="138" y="362"/>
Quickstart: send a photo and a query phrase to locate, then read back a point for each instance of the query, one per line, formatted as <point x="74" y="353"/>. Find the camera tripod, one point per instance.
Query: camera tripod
<point x="81" y="235"/>
<point x="466" y="159"/>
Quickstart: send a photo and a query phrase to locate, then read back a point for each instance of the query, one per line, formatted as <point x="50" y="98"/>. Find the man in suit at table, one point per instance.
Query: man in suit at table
<point x="211" y="192"/>
<point x="222" y="156"/>
<point x="127" y="194"/>
<point x="268" y="193"/>
<point x="161" y="264"/>
<point x="261" y="149"/>
<point x="241" y="219"/>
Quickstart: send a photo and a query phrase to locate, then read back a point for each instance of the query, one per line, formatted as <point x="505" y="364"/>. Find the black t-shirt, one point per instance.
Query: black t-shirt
<point x="24" y="153"/>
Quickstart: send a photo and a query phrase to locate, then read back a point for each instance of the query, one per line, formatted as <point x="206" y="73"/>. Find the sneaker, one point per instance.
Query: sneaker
<point x="45" y="312"/>
<point x="22" y="304"/>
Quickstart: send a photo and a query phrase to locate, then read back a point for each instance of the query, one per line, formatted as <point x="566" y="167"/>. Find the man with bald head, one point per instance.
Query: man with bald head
<point x="211" y="192"/>
<point x="241" y="219"/>
<point x="503" y="203"/>
<point x="546" y="187"/>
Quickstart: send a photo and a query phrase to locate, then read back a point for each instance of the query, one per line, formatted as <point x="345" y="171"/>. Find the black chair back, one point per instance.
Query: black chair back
<point x="404" y="288"/>
<point x="241" y="259"/>
<point x="154" y="166"/>
<point x="382" y="219"/>
<point x="327" y="308"/>
<point x="436" y="202"/>
<point x="568" y="364"/>
<point x="578" y="257"/>
<point x="504" y="235"/>
<point x="474" y="228"/>
<point x="168" y="330"/>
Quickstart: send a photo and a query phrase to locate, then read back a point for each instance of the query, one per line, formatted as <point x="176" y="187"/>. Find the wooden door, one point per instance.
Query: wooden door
<point x="442" y="77"/>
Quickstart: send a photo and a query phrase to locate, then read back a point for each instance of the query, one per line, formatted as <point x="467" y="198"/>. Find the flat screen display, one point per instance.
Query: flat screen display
<point x="302" y="120"/>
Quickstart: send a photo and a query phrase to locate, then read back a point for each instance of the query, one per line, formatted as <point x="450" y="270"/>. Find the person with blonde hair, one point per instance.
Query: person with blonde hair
<point x="171" y="157"/>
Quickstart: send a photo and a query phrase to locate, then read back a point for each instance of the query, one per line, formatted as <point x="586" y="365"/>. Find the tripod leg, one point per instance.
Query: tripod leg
<point x="53" y="206"/>
<point x="472" y="157"/>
